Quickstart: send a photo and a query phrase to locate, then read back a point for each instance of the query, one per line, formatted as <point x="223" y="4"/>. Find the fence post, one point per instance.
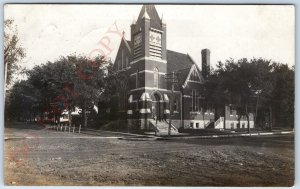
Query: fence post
<point x="79" y="128"/>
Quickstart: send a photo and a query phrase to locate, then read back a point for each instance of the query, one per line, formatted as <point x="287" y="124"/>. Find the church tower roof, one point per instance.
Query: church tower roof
<point x="146" y="15"/>
<point x="149" y="11"/>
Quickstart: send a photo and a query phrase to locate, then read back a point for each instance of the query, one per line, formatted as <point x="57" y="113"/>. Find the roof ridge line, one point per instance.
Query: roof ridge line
<point x="190" y="58"/>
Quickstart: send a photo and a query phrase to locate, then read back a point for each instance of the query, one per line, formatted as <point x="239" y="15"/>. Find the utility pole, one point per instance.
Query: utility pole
<point x="256" y="107"/>
<point x="173" y="78"/>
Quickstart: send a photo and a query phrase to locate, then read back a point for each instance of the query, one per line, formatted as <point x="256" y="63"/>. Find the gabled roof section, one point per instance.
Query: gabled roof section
<point x="178" y="61"/>
<point x="150" y="11"/>
<point x="125" y="43"/>
<point x="185" y="66"/>
<point x="183" y="75"/>
<point x="194" y="75"/>
<point x="130" y="45"/>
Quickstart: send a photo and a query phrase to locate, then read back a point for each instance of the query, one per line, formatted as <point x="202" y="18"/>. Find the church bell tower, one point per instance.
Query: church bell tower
<point x="148" y="36"/>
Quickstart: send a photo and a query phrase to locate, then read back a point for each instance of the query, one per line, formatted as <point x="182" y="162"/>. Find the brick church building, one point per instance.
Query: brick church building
<point x="144" y="65"/>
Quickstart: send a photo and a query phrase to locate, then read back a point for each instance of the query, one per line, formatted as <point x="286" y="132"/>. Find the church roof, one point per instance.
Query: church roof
<point x="179" y="62"/>
<point x="150" y="11"/>
<point x="130" y="44"/>
<point x="183" y="74"/>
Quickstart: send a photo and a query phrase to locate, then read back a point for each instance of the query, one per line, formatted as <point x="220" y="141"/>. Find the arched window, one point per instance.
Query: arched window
<point x="155" y="80"/>
<point x="137" y="79"/>
<point x="123" y="61"/>
<point x="126" y="63"/>
<point x="119" y="65"/>
<point x="195" y="101"/>
<point x="124" y="103"/>
<point x="123" y="98"/>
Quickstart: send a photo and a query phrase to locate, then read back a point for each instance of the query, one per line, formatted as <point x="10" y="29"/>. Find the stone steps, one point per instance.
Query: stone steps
<point x="163" y="127"/>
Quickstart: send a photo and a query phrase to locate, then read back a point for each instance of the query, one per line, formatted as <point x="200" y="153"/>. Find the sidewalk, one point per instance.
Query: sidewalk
<point x="152" y="136"/>
<point x="226" y="135"/>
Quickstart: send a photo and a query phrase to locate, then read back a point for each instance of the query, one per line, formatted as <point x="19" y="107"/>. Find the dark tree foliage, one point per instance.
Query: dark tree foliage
<point x="70" y="81"/>
<point x="283" y="96"/>
<point x="22" y="102"/>
<point x="109" y="99"/>
<point x="255" y="85"/>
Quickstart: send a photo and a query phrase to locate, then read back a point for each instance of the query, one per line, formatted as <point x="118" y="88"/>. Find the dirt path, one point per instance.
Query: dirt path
<point x="71" y="159"/>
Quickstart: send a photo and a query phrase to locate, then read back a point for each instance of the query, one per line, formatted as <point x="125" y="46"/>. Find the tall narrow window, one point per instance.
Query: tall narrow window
<point x="137" y="79"/>
<point x="231" y="110"/>
<point x="124" y="99"/>
<point x="155" y="81"/>
<point x="197" y="101"/>
<point x="119" y="65"/>
<point x="175" y="105"/>
<point x="194" y="101"/>
<point x="126" y="63"/>
<point x="123" y="59"/>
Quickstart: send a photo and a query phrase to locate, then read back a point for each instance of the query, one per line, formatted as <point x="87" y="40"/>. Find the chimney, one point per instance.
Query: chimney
<point x="205" y="62"/>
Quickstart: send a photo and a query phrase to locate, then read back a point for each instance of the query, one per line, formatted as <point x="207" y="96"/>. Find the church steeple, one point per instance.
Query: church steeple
<point x="148" y="35"/>
<point x="146" y="16"/>
<point x="150" y="11"/>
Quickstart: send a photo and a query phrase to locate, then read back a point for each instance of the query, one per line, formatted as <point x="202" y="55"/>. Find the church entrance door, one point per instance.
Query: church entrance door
<point x="156" y="110"/>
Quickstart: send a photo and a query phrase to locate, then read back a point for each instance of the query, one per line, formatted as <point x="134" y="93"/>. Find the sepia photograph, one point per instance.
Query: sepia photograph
<point x="149" y="95"/>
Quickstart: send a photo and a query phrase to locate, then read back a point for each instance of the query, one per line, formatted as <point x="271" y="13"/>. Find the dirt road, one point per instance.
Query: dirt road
<point x="61" y="158"/>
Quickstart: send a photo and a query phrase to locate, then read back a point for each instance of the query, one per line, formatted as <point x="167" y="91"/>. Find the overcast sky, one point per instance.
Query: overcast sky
<point x="50" y="31"/>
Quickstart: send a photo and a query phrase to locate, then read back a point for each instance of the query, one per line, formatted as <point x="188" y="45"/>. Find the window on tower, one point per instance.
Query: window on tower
<point x="137" y="44"/>
<point x="155" y="44"/>
<point x="155" y="79"/>
<point x="137" y="79"/>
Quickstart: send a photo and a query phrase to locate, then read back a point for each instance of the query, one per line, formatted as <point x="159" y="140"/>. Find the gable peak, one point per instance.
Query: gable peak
<point x="149" y="11"/>
<point x="146" y="16"/>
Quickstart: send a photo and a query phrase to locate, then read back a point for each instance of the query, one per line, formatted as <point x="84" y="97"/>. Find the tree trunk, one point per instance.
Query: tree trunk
<point x="203" y="118"/>
<point x="5" y="77"/>
<point x="58" y="118"/>
<point x="224" y="117"/>
<point x="239" y="119"/>
<point x="70" y="117"/>
<point x="84" y="117"/>
<point x="248" y="122"/>
<point x="247" y="116"/>
<point x="271" y="119"/>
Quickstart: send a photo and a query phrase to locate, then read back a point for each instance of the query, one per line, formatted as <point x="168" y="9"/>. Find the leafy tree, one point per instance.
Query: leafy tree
<point x="89" y="83"/>
<point x="112" y="84"/>
<point x="22" y="102"/>
<point x="13" y="51"/>
<point x="239" y="83"/>
<point x="50" y="80"/>
<point x="282" y="101"/>
<point x="70" y="81"/>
